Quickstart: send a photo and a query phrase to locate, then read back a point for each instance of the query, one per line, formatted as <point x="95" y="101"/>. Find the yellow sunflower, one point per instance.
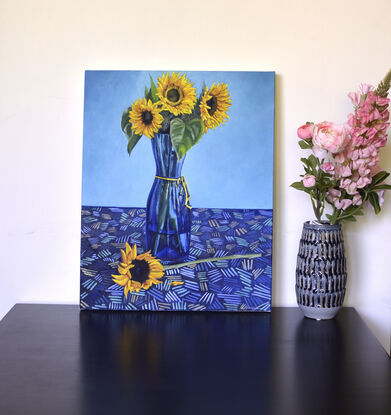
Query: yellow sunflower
<point x="176" y="93"/>
<point x="214" y="106"/>
<point x="137" y="271"/>
<point x="145" y="117"/>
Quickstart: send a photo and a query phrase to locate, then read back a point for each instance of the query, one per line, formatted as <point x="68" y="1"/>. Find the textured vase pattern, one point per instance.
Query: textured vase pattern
<point x="321" y="270"/>
<point x="168" y="211"/>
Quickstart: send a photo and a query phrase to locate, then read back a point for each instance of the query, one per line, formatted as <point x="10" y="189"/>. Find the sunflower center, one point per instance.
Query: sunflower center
<point x="174" y="95"/>
<point x="212" y="104"/>
<point x="140" y="271"/>
<point x="147" y="117"/>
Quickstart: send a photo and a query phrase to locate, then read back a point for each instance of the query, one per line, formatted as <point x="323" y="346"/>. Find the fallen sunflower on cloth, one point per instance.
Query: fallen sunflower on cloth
<point x="137" y="271"/>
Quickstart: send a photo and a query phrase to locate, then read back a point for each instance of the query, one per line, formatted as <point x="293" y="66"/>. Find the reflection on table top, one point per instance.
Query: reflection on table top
<point x="55" y="359"/>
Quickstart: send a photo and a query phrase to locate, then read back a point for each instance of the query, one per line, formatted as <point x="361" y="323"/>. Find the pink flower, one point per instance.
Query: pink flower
<point x="344" y="171"/>
<point x="334" y="192"/>
<point x="365" y="88"/>
<point x="381" y="197"/>
<point x="340" y="157"/>
<point x="305" y="131"/>
<point x="369" y="151"/>
<point x="333" y="195"/>
<point x="349" y="185"/>
<point x="328" y="167"/>
<point x="357" y="200"/>
<point x="352" y="120"/>
<point x="385" y="115"/>
<point x="309" y="180"/>
<point x="319" y="153"/>
<point x="363" y="181"/>
<point x="375" y="170"/>
<point x="363" y="171"/>
<point x="355" y="98"/>
<point x="353" y="154"/>
<point x="343" y="204"/>
<point x="330" y="137"/>
<point x="371" y="133"/>
<point x="382" y="101"/>
<point x="372" y="161"/>
<point x="357" y="164"/>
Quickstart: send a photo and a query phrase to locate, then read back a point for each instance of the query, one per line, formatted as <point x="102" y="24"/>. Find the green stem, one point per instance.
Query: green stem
<point x="334" y="216"/>
<point x="322" y="210"/>
<point x="318" y="215"/>
<point x="350" y="214"/>
<point x="214" y="259"/>
<point x="314" y="207"/>
<point x="319" y="208"/>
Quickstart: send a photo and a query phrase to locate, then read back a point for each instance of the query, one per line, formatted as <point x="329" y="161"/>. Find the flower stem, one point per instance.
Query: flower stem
<point x="318" y="209"/>
<point x="334" y="217"/>
<point x="214" y="259"/>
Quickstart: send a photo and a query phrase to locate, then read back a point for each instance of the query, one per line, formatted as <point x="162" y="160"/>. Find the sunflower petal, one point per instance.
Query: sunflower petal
<point x="214" y="114"/>
<point x="126" y="290"/>
<point x="120" y="281"/>
<point x="123" y="271"/>
<point x="137" y="113"/>
<point x="120" y="277"/>
<point x="187" y="95"/>
<point x="123" y="256"/>
<point x="175" y="283"/>
<point x="147" y="284"/>
<point x="133" y="254"/>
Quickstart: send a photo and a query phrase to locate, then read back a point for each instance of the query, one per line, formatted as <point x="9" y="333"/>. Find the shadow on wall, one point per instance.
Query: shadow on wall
<point x="279" y="172"/>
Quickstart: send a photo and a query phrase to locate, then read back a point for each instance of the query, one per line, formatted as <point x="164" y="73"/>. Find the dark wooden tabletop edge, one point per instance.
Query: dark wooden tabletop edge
<point x="76" y="306"/>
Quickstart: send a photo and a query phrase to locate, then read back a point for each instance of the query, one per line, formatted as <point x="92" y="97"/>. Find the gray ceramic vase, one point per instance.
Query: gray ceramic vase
<point x="321" y="270"/>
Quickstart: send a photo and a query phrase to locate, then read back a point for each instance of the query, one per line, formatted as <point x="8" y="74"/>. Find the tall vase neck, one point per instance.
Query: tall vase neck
<point x="167" y="163"/>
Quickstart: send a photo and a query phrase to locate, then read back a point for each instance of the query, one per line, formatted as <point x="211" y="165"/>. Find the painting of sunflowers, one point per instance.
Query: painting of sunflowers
<point x="177" y="194"/>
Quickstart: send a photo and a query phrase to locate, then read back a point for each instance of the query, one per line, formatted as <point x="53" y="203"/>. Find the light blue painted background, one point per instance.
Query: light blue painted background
<point x="231" y="167"/>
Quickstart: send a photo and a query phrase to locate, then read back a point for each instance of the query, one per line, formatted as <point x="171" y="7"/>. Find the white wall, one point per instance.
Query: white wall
<point x="319" y="50"/>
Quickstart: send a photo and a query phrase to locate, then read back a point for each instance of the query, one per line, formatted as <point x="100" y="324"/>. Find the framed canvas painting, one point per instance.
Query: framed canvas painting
<point x="177" y="200"/>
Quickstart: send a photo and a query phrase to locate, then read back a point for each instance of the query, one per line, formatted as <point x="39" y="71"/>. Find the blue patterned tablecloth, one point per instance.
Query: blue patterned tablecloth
<point x="240" y="284"/>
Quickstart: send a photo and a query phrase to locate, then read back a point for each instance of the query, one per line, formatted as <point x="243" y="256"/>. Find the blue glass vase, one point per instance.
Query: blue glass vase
<point x="168" y="207"/>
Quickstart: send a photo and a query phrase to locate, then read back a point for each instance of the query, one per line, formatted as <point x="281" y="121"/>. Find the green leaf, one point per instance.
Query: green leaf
<point x="305" y="145"/>
<point x="342" y="215"/>
<point x="177" y="132"/>
<point x="146" y="93"/>
<point x="125" y="119"/>
<point x="132" y="141"/>
<point x="382" y="187"/>
<point x="298" y="186"/>
<point x="373" y="198"/>
<point x="154" y="96"/>
<point x="126" y="126"/>
<point x="379" y="177"/>
<point x="313" y="161"/>
<point x="351" y="210"/>
<point x="351" y="219"/>
<point x="185" y="135"/>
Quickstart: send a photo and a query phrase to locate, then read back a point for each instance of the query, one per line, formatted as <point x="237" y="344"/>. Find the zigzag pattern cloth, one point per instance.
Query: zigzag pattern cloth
<point x="239" y="284"/>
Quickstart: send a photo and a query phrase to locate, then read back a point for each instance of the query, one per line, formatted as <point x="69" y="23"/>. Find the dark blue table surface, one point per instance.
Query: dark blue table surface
<point x="55" y="359"/>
